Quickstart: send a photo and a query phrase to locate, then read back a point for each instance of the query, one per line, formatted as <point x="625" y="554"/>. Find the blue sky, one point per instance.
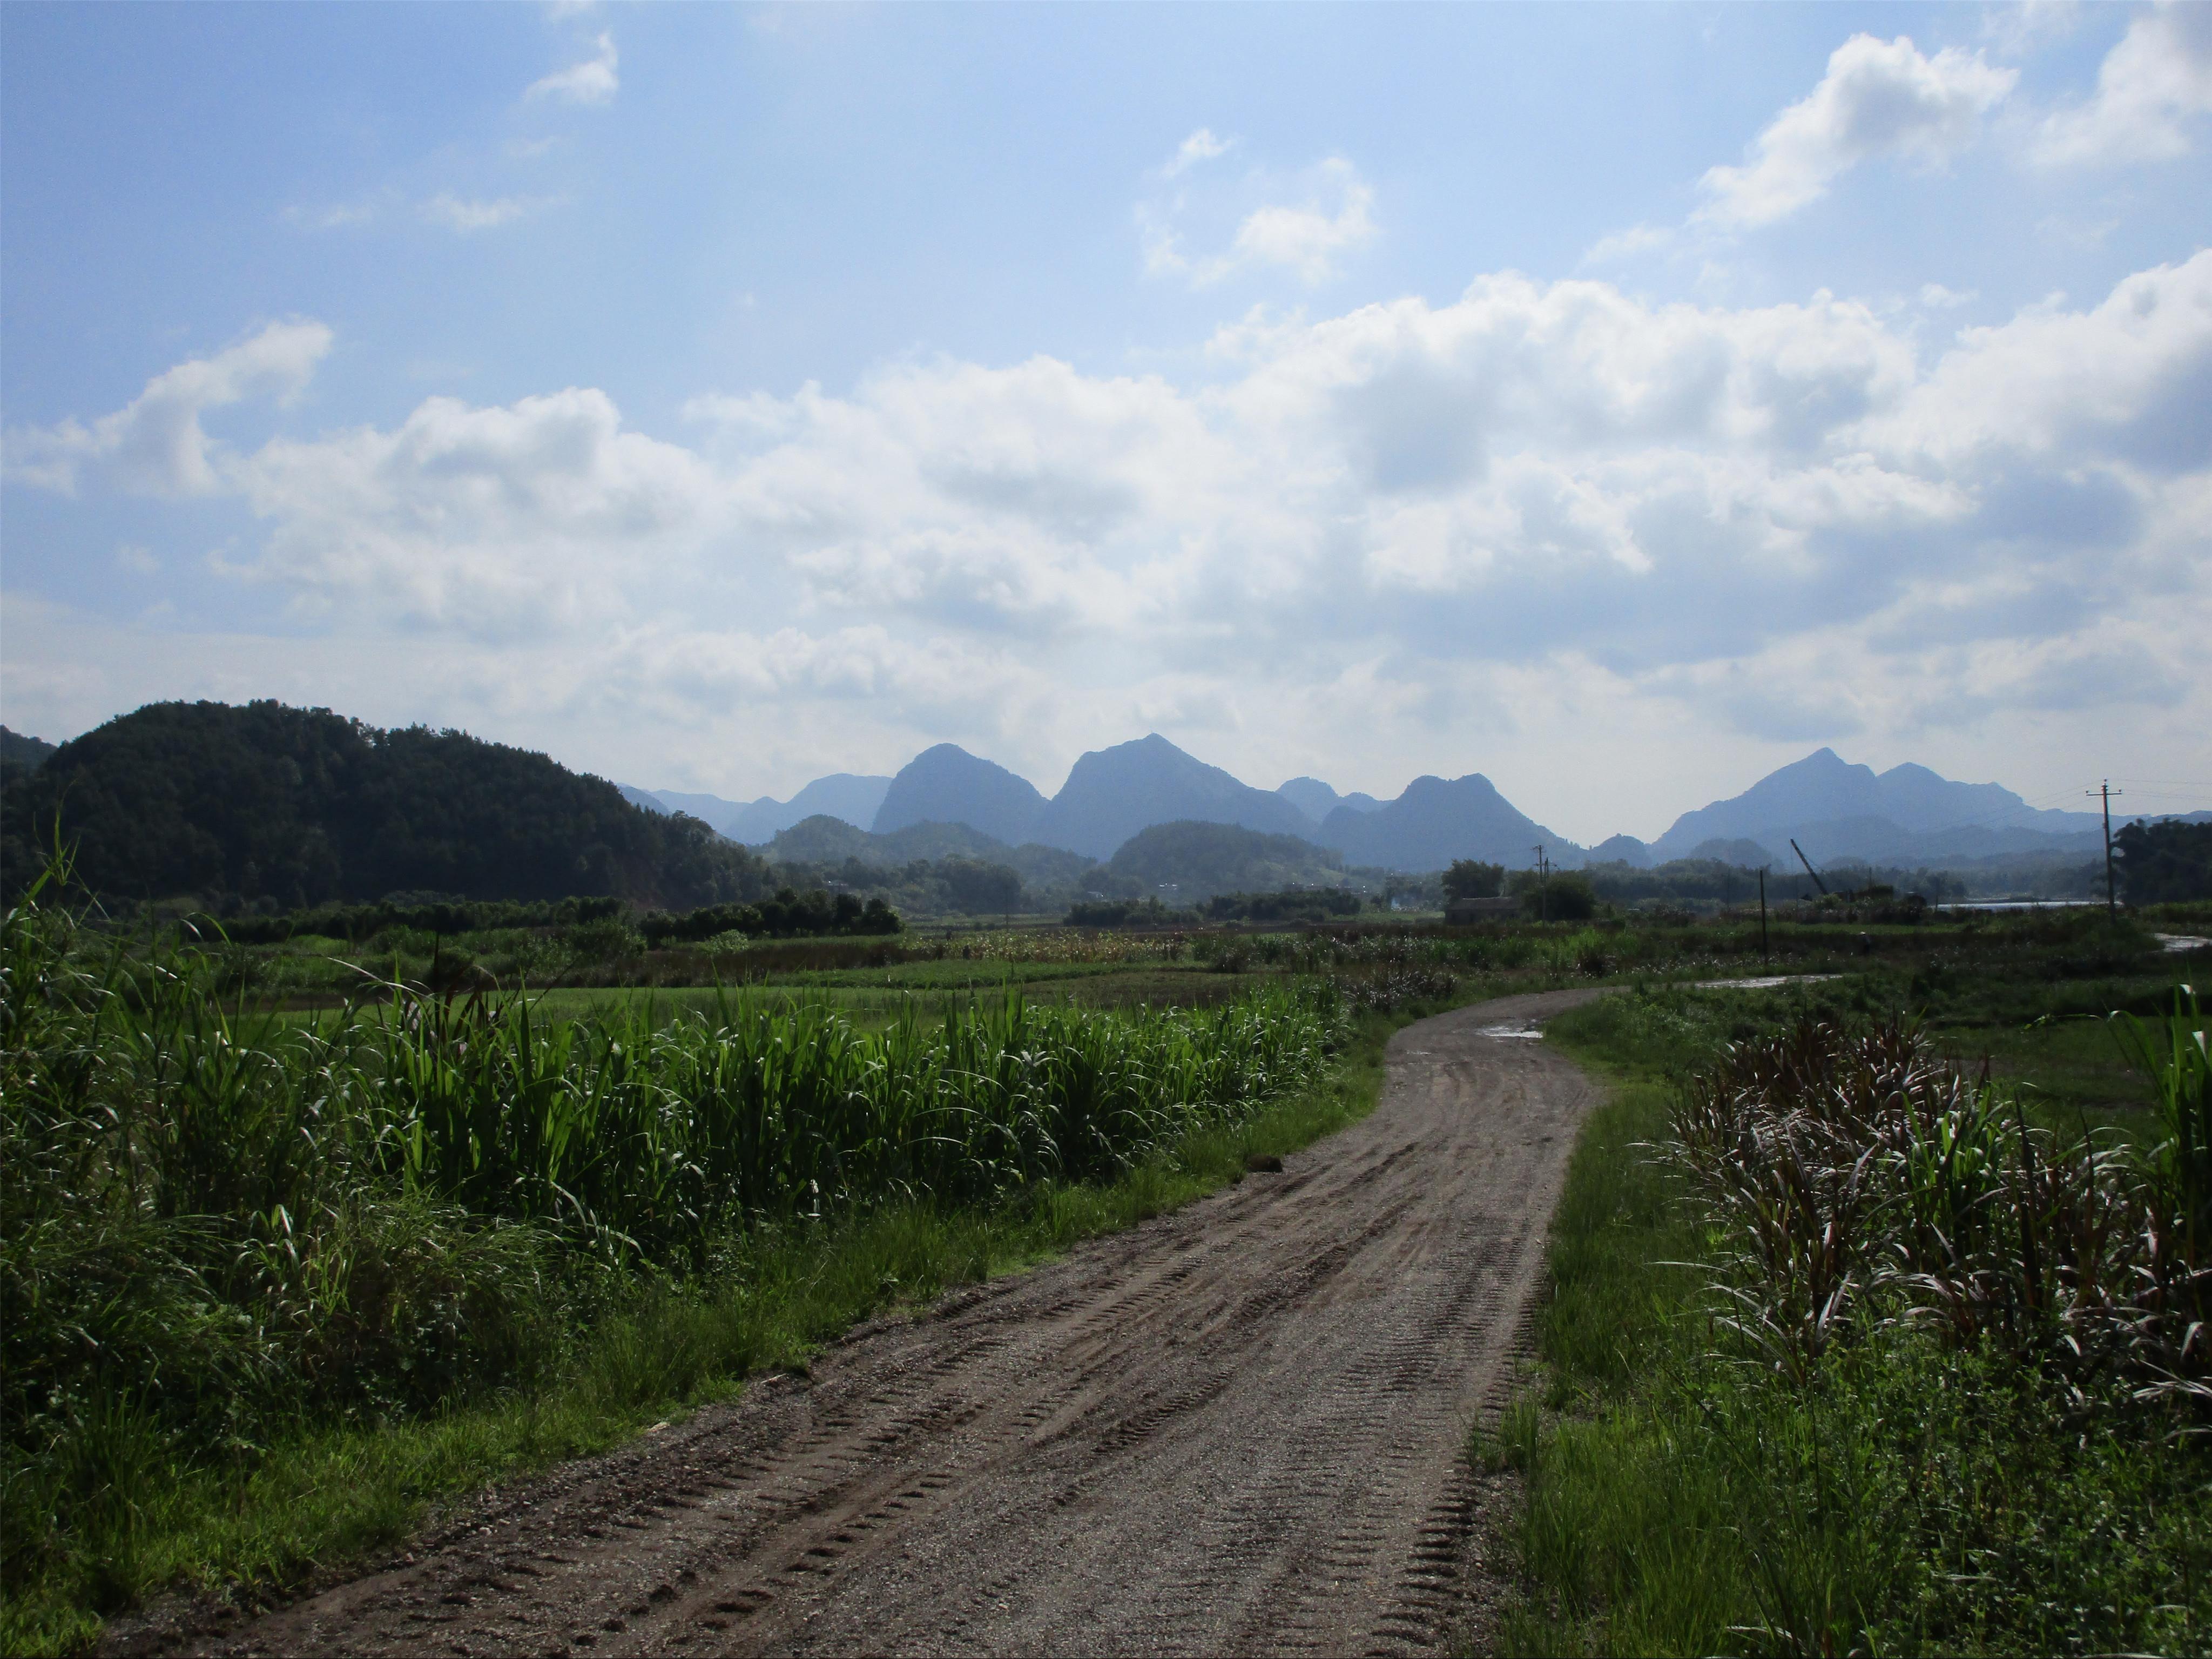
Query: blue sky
<point x="1617" y="401"/>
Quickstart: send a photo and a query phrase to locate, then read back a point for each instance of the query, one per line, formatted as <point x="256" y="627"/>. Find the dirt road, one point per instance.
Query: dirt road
<point x="1234" y="1430"/>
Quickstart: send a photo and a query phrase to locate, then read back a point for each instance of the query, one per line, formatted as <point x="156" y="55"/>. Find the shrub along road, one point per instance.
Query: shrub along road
<point x="1236" y="1428"/>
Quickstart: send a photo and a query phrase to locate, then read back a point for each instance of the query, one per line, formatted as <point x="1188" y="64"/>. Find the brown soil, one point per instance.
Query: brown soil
<point x="1238" y="1428"/>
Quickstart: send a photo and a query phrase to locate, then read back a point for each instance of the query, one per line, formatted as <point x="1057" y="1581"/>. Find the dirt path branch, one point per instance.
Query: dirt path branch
<point x="1232" y="1430"/>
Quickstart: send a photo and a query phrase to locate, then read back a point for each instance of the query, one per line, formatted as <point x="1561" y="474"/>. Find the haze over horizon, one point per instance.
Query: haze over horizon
<point x="1618" y="402"/>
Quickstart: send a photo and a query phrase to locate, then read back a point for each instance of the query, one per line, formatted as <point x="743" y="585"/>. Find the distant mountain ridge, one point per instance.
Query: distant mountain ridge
<point x="1111" y="794"/>
<point x="1437" y="820"/>
<point x="267" y="806"/>
<point x="825" y="840"/>
<point x="852" y="797"/>
<point x="1836" y="810"/>
<point x="1186" y="861"/>
<point x="947" y="785"/>
<point x="1317" y="799"/>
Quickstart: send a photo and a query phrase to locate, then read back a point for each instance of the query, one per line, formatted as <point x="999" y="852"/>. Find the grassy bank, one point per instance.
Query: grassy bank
<point x="1701" y="1480"/>
<point x="226" y="1393"/>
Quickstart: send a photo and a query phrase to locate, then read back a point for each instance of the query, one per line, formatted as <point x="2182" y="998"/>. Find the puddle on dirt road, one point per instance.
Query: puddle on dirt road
<point x="1526" y="1028"/>
<point x="1766" y="984"/>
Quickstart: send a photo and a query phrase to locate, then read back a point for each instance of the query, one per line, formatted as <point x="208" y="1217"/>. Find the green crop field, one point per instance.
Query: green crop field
<point x="305" y="1236"/>
<point x="277" y="1277"/>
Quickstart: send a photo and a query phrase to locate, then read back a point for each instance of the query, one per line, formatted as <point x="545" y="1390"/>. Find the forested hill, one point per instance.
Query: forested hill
<point x="271" y="807"/>
<point x="16" y="750"/>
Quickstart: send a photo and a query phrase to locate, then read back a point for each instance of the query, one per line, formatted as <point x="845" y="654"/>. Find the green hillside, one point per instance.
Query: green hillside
<point x="267" y="807"/>
<point x="16" y="750"/>
<point x="1200" y="859"/>
<point x="822" y="840"/>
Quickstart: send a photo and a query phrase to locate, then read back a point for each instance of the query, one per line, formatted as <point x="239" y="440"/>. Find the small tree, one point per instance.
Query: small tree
<point x="1566" y="896"/>
<point x="2160" y="863"/>
<point x="1467" y="879"/>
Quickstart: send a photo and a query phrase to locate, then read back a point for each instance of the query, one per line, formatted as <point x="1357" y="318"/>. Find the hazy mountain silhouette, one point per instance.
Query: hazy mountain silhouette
<point x="1113" y="794"/>
<point x="1836" y="810"/>
<point x="849" y="796"/>
<point x="1620" y="849"/>
<point x="1183" y="862"/>
<point x="1437" y="820"/>
<point x="825" y="840"/>
<point x="948" y="785"/>
<point x="1744" y="855"/>
<point x="1317" y="799"/>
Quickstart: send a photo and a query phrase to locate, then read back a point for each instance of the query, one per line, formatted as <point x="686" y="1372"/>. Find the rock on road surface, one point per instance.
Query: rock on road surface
<point x="1233" y="1430"/>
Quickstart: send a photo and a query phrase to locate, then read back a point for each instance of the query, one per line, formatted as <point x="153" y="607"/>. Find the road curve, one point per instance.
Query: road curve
<point x="1232" y="1430"/>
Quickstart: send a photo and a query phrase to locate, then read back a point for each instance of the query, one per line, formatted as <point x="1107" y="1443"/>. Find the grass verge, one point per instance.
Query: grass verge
<point x="1905" y="1498"/>
<point x="253" y="1530"/>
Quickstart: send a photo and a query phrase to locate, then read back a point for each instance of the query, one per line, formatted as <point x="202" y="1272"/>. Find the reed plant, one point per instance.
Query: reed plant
<point x="1856" y="1177"/>
<point x="1848" y="1353"/>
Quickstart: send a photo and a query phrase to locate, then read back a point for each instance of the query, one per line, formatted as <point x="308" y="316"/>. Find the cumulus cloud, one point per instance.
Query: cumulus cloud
<point x="2127" y="381"/>
<point x="534" y="516"/>
<point x="1381" y="520"/>
<point x="594" y="81"/>
<point x="155" y="445"/>
<point x="1878" y="98"/>
<point x="2150" y="89"/>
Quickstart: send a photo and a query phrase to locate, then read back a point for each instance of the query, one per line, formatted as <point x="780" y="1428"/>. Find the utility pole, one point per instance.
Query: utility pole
<point x="2105" y="792"/>
<point x="1543" y="884"/>
<point x="1764" y="955"/>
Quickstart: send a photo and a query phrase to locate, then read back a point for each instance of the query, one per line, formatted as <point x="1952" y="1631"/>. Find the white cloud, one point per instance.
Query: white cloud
<point x="1379" y="530"/>
<point x="1627" y="244"/>
<point x="2128" y="381"/>
<point x="460" y="214"/>
<point x="497" y="521"/>
<point x="2150" y="86"/>
<point x="594" y="81"/>
<point x="1307" y="238"/>
<point x="1200" y="146"/>
<point x="1934" y="296"/>
<point x="1333" y="217"/>
<point x="1878" y="98"/>
<point x="156" y="444"/>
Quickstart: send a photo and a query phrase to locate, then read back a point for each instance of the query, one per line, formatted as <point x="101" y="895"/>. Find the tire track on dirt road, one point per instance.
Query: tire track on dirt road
<point x="1233" y="1429"/>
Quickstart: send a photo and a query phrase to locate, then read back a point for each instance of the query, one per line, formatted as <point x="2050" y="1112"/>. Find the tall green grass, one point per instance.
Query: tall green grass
<point x="224" y="1229"/>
